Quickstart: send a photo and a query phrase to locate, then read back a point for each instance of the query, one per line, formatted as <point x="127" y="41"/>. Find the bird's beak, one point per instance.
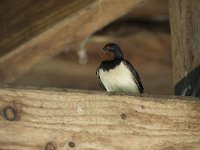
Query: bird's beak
<point x="102" y="51"/>
<point x="106" y="55"/>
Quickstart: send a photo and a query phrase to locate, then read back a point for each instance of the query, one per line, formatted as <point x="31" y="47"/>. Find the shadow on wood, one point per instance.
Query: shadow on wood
<point x="189" y="85"/>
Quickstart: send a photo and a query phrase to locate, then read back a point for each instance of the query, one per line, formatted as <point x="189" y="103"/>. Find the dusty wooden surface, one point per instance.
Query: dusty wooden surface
<point x="70" y="26"/>
<point x="64" y="119"/>
<point x="185" y="31"/>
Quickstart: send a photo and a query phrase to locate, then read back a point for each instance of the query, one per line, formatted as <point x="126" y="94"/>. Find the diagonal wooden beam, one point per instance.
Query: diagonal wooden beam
<point x="21" y="20"/>
<point x="84" y="120"/>
<point x="74" y="27"/>
<point x="185" y="33"/>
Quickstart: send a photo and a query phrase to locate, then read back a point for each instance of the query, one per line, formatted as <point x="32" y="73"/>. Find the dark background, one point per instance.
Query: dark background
<point x="144" y="36"/>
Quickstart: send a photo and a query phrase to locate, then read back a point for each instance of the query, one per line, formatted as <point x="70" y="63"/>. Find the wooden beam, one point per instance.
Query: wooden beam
<point x="185" y="34"/>
<point x="54" y="36"/>
<point x="22" y="20"/>
<point x="63" y="119"/>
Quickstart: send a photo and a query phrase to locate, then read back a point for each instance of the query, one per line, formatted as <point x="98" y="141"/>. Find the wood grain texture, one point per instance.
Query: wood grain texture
<point x="66" y="119"/>
<point x="185" y="31"/>
<point x="23" y="19"/>
<point x="43" y="36"/>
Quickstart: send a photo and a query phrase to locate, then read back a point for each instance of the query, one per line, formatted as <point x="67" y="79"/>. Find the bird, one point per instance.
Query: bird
<point x="115" y="74"/>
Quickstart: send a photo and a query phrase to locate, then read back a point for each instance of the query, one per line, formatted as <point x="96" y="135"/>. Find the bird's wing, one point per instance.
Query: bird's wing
<point x="136" y="77"/>
<point x="99" y="80"/>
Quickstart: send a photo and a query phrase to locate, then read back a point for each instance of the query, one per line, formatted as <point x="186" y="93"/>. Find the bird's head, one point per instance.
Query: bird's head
<point x="111" y="52"/>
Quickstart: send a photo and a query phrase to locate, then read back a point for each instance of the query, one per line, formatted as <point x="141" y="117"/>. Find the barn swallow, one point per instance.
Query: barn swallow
<point x="115" y="74"/>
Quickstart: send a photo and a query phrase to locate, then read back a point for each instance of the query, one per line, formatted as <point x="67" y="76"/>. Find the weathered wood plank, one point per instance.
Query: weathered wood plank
<point x="53" y="37"/>
<point x="92" y="120"/>
<point x="185" y="33"/>
<point x="23" y="19"/>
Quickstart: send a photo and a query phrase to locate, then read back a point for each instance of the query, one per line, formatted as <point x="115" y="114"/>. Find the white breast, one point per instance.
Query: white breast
<point x="119" y="79"/>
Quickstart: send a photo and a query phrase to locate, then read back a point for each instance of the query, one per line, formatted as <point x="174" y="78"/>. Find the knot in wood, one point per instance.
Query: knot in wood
<point x="9" y="113"/>
<point x="123" y="116"/>
<point x="50" y="146"/>
<point x="71" y="144"/>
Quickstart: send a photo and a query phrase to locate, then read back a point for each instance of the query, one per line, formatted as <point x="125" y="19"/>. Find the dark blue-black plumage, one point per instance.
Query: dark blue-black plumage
<point x="115" y="74"/>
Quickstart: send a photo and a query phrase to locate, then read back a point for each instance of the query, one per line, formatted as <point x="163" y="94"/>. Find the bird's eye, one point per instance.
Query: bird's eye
<point x="109" y="48"/>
